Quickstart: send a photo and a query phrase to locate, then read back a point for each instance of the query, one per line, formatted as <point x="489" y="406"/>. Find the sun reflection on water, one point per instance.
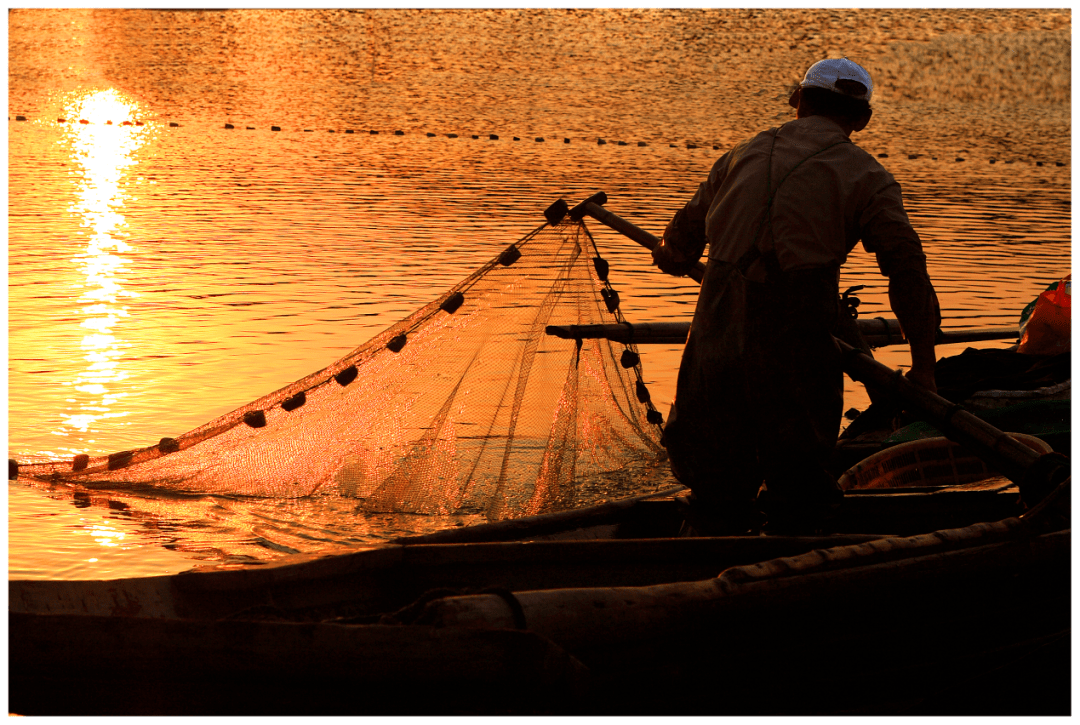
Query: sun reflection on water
<point x="103" y="147"/>
<point x="104" y="535"/>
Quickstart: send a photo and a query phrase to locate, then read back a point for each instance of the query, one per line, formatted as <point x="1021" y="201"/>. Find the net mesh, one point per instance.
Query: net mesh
<point x="465" y="406"/>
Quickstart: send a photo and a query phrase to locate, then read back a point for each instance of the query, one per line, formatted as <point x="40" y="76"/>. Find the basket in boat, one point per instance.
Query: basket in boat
<point x="928" y="462"/>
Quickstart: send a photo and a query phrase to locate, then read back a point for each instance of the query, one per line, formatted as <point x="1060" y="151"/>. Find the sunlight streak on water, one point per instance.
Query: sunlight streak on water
<point x="104" y="149"/>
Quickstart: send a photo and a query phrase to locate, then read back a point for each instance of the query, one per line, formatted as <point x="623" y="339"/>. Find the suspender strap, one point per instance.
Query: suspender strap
<point x="754" y="253"/>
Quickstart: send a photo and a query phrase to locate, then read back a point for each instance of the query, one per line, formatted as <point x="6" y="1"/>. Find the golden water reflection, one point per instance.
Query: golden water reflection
<point x="102" y="140"/>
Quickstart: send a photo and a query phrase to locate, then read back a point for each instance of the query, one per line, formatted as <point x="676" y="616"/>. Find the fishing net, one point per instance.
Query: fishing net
<point x="466" y="406"/>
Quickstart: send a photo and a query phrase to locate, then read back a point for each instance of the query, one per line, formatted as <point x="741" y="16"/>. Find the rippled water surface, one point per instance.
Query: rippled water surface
<point x="167" y="271"/>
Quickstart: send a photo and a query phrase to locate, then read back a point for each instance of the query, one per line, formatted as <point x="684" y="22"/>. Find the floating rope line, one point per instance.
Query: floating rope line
<point x="600" y="141"/>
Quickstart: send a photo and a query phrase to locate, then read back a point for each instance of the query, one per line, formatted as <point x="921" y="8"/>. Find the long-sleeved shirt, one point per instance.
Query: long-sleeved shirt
<point x="827" y="194"/>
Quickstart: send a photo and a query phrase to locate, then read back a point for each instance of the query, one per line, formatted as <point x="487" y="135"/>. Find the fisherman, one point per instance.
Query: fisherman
<point x="760" y="388"/>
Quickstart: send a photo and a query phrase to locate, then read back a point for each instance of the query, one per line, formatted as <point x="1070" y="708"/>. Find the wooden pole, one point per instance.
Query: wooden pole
<point x="877" y="332"/>
<point x="1036" y="474"/>
<point x="1009" y="456"/>
<point x="634" y="232"/>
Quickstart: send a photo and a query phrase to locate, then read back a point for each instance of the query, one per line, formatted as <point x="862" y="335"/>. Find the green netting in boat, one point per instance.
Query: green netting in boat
<point x="1050" y="420"/>
<point x="464" y="406"/>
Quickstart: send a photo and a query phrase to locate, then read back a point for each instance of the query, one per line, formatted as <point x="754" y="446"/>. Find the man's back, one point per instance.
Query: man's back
<point x="826" y="194"/>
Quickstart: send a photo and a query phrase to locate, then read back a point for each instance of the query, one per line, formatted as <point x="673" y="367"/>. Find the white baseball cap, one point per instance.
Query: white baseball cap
<point x="825" y="74"/>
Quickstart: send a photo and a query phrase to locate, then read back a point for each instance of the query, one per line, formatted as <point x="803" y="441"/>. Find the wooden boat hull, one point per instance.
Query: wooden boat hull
<point x="570" y="623"/>
<point x="625" y="543"/>
<point x="77" y="665"/>
<point x="973" y="632"/>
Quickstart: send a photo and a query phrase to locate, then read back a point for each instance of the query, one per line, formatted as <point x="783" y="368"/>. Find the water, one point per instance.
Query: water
<point x="161" y="275"/>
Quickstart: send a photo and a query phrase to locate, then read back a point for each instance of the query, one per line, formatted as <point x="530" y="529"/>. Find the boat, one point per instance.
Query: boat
<point x="933" y="595"/>
<point x="605" y="610"/>
<point x="951" y="622"/>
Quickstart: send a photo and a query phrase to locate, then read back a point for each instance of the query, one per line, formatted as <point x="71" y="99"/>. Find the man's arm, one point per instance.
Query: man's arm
<point x="887" y="233"/>
<point x="684" y="238"/>
<point x="913" y="300"/>
<point x="682" y="245"/>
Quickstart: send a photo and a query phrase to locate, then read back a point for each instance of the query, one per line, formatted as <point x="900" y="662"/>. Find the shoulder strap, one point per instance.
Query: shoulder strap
<point x="751" y="255"/>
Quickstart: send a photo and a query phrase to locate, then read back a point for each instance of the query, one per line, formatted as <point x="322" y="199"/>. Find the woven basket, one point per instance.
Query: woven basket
<point x="927" y="462"/>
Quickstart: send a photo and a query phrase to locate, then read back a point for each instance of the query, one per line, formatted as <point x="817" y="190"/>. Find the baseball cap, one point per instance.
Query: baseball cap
<point x="825" y="74"/>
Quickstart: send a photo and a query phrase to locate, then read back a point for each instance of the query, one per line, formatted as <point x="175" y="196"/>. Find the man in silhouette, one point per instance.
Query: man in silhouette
<point x="760" y="386"/>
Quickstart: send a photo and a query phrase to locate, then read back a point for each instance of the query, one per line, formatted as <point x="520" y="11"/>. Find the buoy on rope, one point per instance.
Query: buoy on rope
<point x="475" y="136"/>
<point x="492" y="137"/>
<point x="556" y="212"/>
<point x="275" y="128"/>
<point x="642" y="391"/>
<point x="600" y="142"/>
<point x="430" y="134"/>
<point x="346" y="376"/>
<point x="611" y="299"/>
<point x="373" y="132"/>
<point x="291" y="404"/>
<point x="348" y="130"/>
<point x="120" y="460"/>
<point x="622" y="143"/>
<point x="399" y="133"/>
<point x="168" y="445"/>
<point x="80" y="462"/>
<point x="629" y="358"/>
<point x="172" y="124"/>
<point x="640" y="143"/>
<point x="510" y="255"/>
<point x="83" y="120"/>
<point x="566" y="140"/>
<point x="12" y="469"/>
<point x="451" y="304"/>
<point x="539" y="138"/>
<point x="396" y="343"/>
<point x="20" y="118"/>
<point x="516" y="138"/>
<point x="61" y="120"/>
<point x="255" y="418"/>
<point x="451" y="135"/>
<point x="126" y="123"/>
<point x="601" y="266"/>
<point x="229" y="125"/>
<point x="654" y="416"/>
